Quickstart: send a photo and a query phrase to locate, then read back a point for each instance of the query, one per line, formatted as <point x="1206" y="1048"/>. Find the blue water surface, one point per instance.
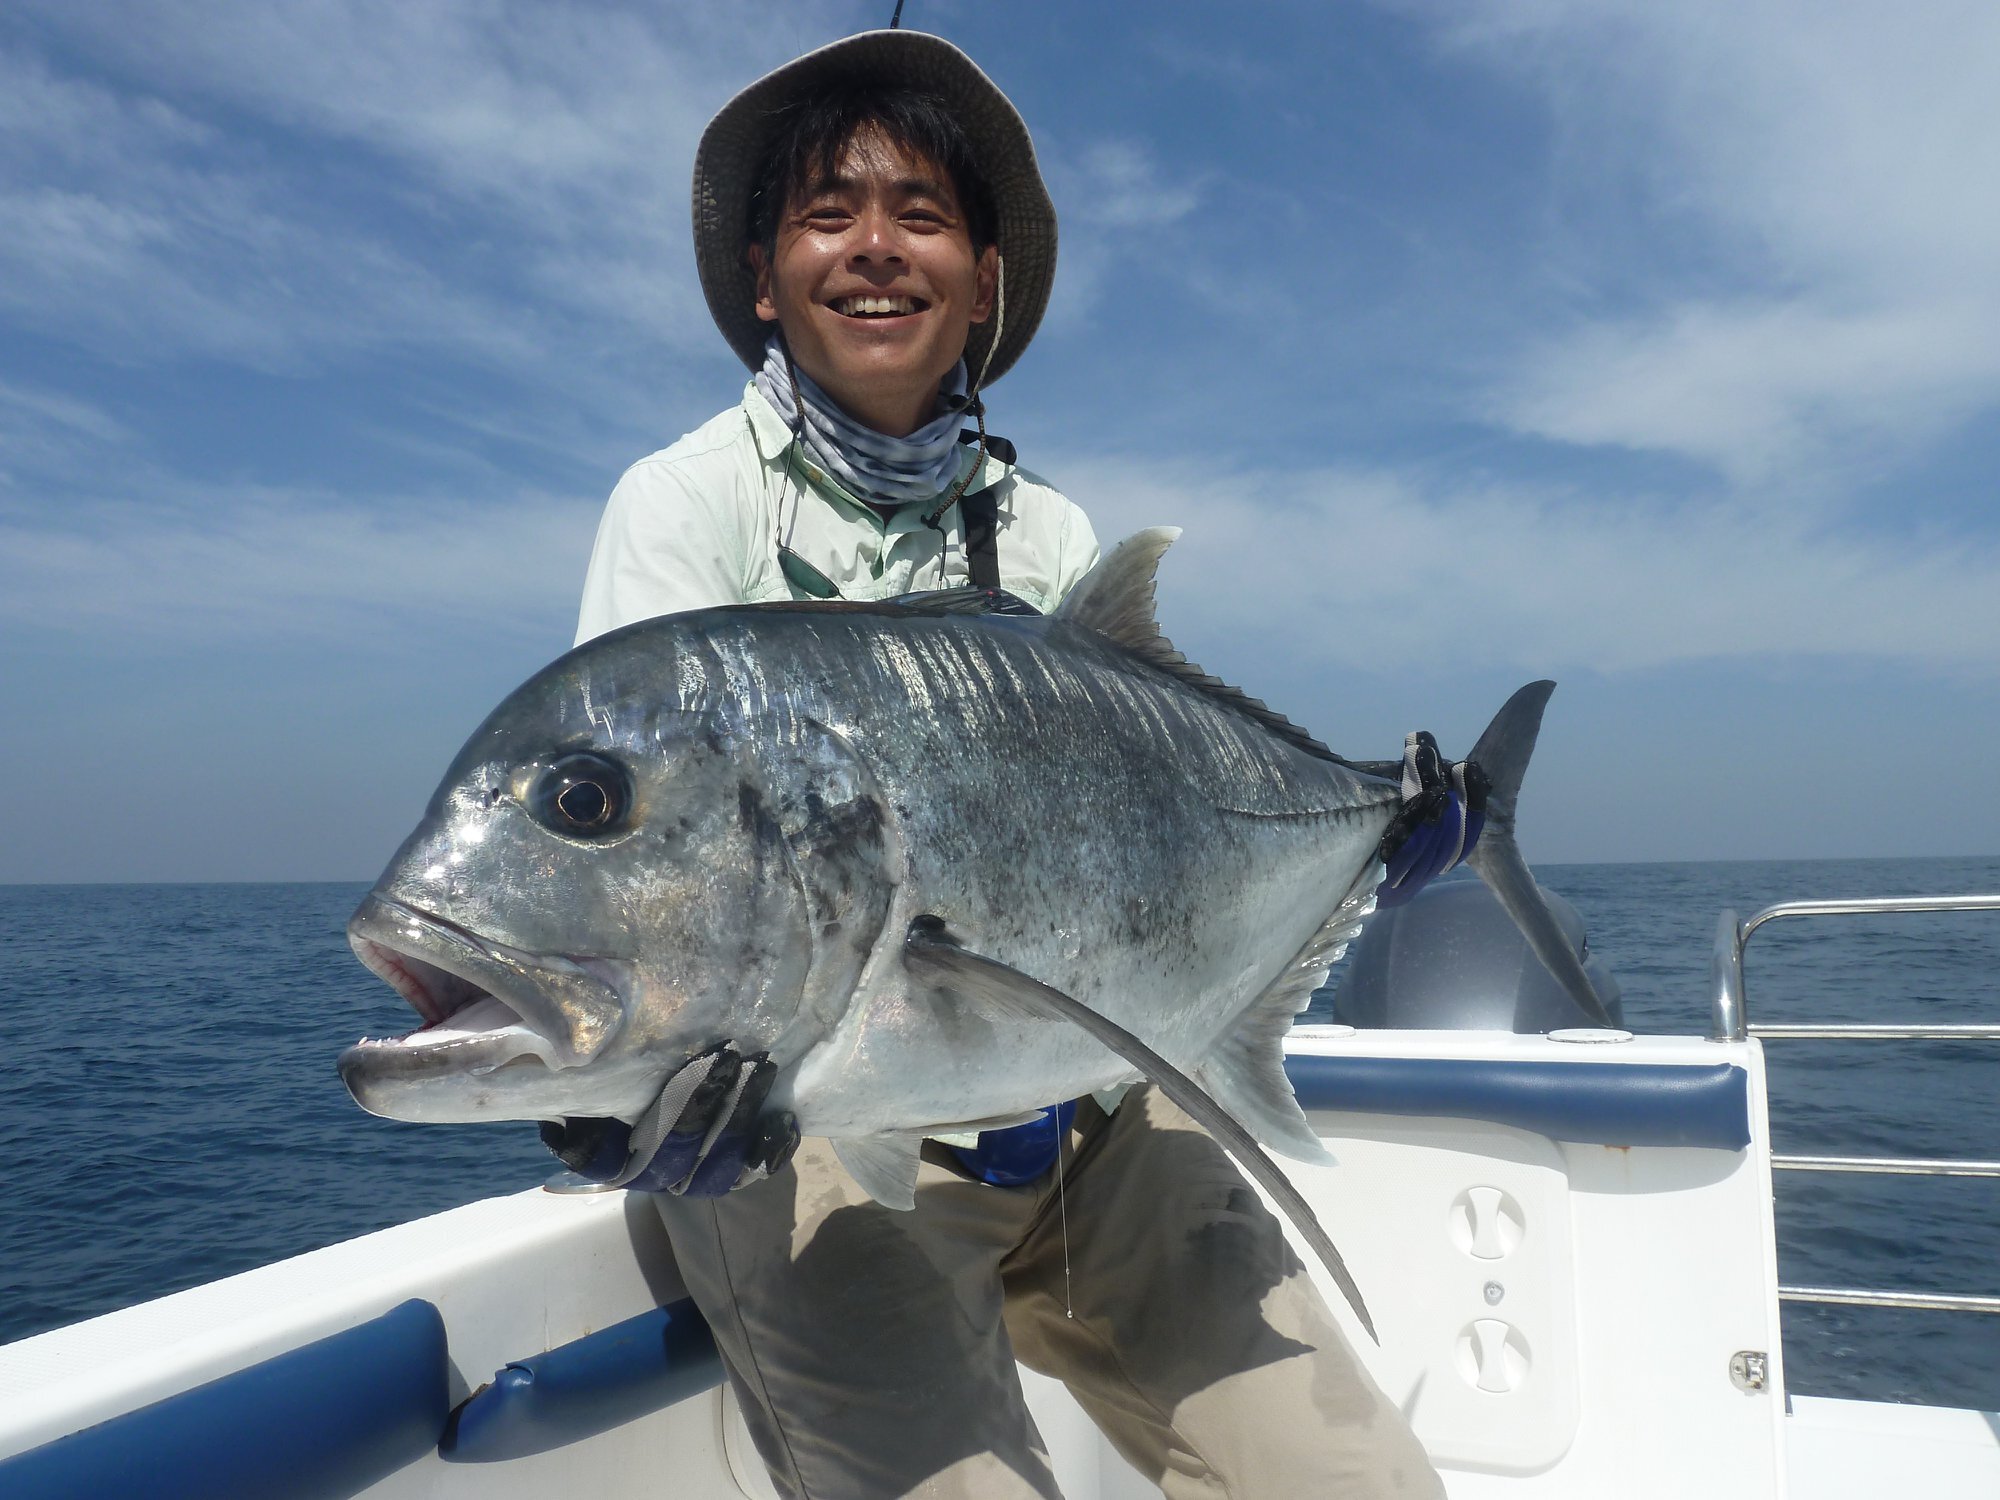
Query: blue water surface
<point x="169" y="1111"/>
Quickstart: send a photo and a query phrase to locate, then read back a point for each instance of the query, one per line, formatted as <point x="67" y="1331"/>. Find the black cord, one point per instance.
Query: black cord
<point x="897" y="19"/>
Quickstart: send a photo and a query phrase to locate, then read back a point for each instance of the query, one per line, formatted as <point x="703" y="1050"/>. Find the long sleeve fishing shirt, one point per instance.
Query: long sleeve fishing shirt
<point x="701" y="523"/>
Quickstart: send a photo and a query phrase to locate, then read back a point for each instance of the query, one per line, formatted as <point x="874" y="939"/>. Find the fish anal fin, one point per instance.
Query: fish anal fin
<point x="883" y="1166"/>
<point x="991" y="1122"/>
<point x="1246" y="1071"/>
<point x="1249" y="1081"/>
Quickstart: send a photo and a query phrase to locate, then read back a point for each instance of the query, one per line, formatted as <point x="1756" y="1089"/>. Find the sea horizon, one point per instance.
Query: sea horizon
<point x="1551" y="864"/>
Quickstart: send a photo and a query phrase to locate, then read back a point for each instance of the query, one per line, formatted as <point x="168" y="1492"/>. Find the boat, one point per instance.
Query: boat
<point x="1567" y="1239"/>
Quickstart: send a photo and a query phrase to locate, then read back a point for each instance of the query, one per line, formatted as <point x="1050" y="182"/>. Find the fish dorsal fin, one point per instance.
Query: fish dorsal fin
<point x="1116" y="599"/>
<point x="969" y="600"/>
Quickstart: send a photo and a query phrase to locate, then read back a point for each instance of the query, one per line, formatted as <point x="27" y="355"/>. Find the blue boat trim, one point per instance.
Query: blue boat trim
<point x="322" y="1421"/>
<point x="585" y="1387"/>
<point x="1611" y="1104"/>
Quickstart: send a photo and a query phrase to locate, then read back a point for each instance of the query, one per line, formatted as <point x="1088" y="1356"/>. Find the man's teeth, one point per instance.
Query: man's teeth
<point x="861" y="307"/>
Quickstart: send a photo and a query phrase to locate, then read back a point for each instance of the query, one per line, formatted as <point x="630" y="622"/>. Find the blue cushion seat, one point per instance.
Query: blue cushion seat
<point x="318" y="1422"/>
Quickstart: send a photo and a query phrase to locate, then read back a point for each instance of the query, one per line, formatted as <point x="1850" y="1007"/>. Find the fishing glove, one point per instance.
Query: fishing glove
<point x="706" y="1133"/>
<point x="1444" y="809"/>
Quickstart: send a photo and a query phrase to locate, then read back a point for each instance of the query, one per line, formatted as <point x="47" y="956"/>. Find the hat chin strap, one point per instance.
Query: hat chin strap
<point x="975" y="404"/>
<point x="999" y="325"/>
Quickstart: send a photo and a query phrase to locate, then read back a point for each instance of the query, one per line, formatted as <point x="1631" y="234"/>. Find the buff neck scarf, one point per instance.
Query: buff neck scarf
<point x="871" y="465"/>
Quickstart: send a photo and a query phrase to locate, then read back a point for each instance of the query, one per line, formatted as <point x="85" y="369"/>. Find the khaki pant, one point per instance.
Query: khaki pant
<point x="873" y="1351"/>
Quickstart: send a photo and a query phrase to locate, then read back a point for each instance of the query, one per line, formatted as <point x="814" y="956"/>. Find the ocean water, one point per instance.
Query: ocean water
<point x="169" y="1111"/>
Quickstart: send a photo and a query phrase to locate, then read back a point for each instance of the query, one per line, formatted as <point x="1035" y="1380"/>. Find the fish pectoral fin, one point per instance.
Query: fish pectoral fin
<point x="934" y="957"/>
<point x="884" y="1166"/>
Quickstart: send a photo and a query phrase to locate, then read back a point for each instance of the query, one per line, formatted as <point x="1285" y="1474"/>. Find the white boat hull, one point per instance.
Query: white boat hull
<point x="1558" y="1317"/>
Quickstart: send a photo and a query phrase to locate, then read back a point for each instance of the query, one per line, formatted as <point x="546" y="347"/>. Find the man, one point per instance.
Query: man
<point x="875" y="242"/>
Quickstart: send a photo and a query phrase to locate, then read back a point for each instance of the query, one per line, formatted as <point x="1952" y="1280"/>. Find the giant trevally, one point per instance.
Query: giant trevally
<point x="884" y="843"/>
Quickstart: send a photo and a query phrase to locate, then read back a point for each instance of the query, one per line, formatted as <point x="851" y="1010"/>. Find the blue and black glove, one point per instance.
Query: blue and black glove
<point x="706" y="1134"/>
<point x="1444" y="809"/>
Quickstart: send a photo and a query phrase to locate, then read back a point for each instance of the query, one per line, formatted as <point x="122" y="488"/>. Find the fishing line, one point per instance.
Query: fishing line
<point x="1062" y="1209"/>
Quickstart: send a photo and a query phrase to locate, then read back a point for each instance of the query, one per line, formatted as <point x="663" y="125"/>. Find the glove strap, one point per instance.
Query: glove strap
<point x="657" y="1123"/>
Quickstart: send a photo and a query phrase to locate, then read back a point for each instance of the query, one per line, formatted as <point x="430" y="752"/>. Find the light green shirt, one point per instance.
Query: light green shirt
<point x="699" y="524"/>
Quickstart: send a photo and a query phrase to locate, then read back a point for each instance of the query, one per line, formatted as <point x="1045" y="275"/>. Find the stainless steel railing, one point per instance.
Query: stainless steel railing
<point x="1731" y="1022"/>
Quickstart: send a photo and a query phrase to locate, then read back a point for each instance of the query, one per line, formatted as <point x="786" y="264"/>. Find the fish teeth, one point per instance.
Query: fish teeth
<point x="860" y="306"/>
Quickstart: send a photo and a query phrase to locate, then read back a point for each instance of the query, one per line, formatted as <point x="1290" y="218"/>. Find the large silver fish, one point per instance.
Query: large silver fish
<point x="888" y="844"/>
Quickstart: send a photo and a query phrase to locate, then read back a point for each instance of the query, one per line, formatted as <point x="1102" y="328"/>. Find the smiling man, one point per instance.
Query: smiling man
<point x="873" y="272"/>
<point x="877" y="282"/>
<point x="875" y="242"/>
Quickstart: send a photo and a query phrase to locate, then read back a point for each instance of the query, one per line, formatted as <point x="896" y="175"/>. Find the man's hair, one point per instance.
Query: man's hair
<point x="814" y="131"/>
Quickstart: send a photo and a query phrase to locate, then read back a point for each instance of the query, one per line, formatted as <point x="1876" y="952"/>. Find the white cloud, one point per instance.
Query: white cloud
<point x="322" y="183"/>
<point x="1112" y="197"/>
<point x="43" y="434"/>
<point x="26" y="413"/>
<point x="1384" y="571"/>
<point x="269" y="564"/>
<point x="1370" y="570"/>
<point x="280" y="185"/>
<point x="1755" y="387"/>
<point x="128" y="226"/>
<point x="1819" y="170"/>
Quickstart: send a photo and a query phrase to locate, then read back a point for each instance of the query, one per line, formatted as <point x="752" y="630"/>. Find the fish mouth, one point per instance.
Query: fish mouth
<point x="483" y="1003"/>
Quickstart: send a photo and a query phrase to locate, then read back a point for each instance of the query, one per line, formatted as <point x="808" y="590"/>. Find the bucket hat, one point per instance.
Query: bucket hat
<point x="733" y="147"/>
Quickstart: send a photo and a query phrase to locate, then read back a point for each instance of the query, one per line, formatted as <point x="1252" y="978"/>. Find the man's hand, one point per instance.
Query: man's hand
<point x="1444" y="809"/>
<point x="705" y="1134"/>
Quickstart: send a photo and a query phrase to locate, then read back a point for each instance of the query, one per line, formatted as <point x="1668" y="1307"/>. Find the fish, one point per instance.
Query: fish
<point x="943" y="859"/>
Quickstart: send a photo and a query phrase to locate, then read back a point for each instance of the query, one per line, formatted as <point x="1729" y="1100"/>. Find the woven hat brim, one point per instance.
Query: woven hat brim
<point x="732" y="150"/>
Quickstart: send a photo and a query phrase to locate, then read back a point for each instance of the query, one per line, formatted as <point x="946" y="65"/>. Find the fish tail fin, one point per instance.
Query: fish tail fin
<point x="1502" y="753"/>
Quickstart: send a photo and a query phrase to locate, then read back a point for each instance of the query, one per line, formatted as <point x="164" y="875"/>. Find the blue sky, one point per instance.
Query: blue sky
<point x="1653" y="349"/>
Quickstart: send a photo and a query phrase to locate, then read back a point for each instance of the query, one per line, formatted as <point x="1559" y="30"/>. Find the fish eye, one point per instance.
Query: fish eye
<point x="584" y="795"/>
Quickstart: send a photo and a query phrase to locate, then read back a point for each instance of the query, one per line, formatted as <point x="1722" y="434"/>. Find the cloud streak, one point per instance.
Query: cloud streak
<point x="265" y="566"/>
<point x="1382" y="570"/>
<point x="284" y="186"/>
<point x="1808" y="274"/>
<point x="1378" y="570"/>
<point x="1112" y="198"/>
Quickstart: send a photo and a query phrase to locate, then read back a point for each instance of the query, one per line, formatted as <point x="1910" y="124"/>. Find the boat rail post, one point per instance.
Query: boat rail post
<point x="1725" y="969"/>
<point x="1731" y="1023"/>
